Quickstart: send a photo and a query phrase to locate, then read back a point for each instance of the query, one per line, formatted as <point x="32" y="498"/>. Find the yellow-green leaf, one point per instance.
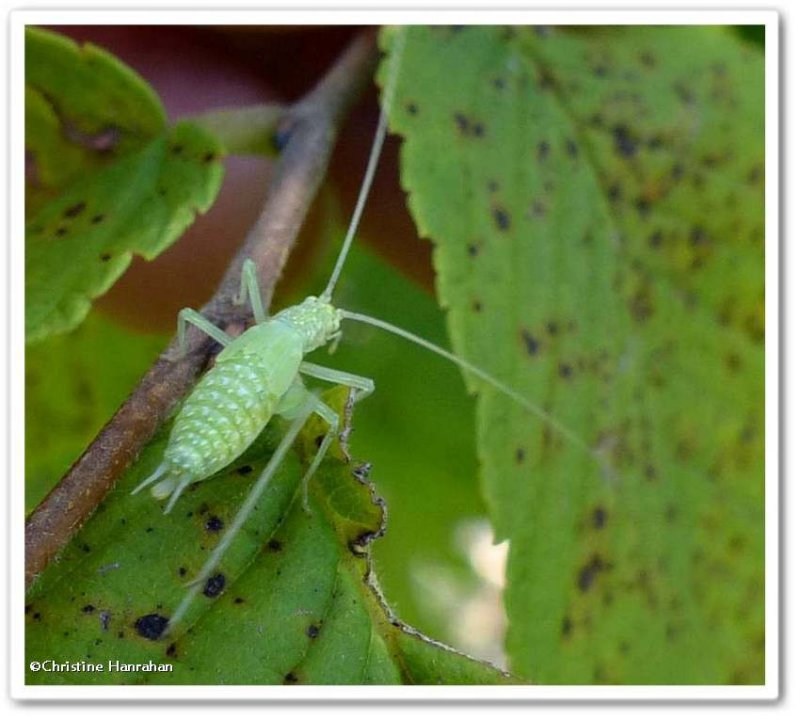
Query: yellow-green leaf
<point x="595" y="197"/>
<point x="106" y="178"/>
<point x="293" y="600"/>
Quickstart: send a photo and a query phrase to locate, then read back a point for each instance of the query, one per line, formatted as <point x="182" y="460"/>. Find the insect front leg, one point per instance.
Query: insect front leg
<point x="189" y="316"/>
<point x="250" y="288"/>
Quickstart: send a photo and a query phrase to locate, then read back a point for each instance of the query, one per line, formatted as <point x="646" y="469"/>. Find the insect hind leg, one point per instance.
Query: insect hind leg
<point x="244" y="511"/>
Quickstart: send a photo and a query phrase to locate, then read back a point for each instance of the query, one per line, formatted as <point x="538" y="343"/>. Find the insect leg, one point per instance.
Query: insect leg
<point x="244" y="511"/>
<point x="330" y="416"/>
<point x="363" y="385"/>
<point x="187" y="315"/>
<point x="249" y="287"/>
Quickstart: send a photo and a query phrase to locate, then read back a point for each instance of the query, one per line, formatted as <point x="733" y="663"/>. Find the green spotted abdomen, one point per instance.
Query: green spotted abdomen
<point x="226" y="411"/>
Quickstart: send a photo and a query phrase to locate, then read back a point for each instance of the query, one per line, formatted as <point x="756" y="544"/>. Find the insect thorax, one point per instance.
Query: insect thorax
<point x="315" y="319"/>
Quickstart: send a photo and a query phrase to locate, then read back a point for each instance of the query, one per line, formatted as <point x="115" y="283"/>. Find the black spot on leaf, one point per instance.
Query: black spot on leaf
<point x="572" y="148"/>
<point x="733" y="361"/>
<point x="642" y="205"/>
<point x="546" y="80"/>
<point x="698" y="236"/>
<point x="214" y="585"/>
<point x="566" y="626"/>
<point x="685" y="95"/>
<point x="599" y="517"/>
<point x="75" y="210"/>
<point x="462" y="123"/>
<point x="587" y="575"/>
<point x="501" y="218"/>
<point x="312" y="631"/>
<point x="275" y="545"/>
<point x="640" y="305"/>
<point x="538" y="208"/>
<point x="151" y="626"/>
<point x="543" y="151"/>
<point x="647" y="59"/>
<point x="214" y="524"/>
<point x="531" y="343"/>
<point x="624" y="142"/>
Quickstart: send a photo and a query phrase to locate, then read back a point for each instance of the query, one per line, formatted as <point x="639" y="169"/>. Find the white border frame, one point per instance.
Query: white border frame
<point x="18" y="21"/>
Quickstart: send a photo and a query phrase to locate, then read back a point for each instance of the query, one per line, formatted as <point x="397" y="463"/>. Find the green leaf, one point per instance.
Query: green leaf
<point x="73" y="385"/>
<point x="83" y="110"/>
<point x="107" y="178"/>
<point x="294" y="603"/>
<point x="417" y="431"/>
<point x="595" y="197"/>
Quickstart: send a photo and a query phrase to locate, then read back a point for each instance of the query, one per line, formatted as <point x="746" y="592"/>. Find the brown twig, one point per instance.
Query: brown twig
<point x="312" y="125"/>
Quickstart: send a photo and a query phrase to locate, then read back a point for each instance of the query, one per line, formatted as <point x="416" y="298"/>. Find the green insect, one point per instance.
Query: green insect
<point x="260" y="374"/>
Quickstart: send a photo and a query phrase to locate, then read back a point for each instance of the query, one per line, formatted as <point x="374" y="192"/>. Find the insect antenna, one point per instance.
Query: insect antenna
<point x="372" y="163"/>
<point x="477" y="372"/>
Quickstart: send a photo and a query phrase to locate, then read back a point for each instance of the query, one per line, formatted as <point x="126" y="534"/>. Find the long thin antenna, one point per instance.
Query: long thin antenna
<point x="372" y="164"/>
<point x="482" y="374"/>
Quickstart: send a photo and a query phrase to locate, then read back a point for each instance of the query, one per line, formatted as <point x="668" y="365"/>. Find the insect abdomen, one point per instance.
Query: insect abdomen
<point x="221" y="418"/>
